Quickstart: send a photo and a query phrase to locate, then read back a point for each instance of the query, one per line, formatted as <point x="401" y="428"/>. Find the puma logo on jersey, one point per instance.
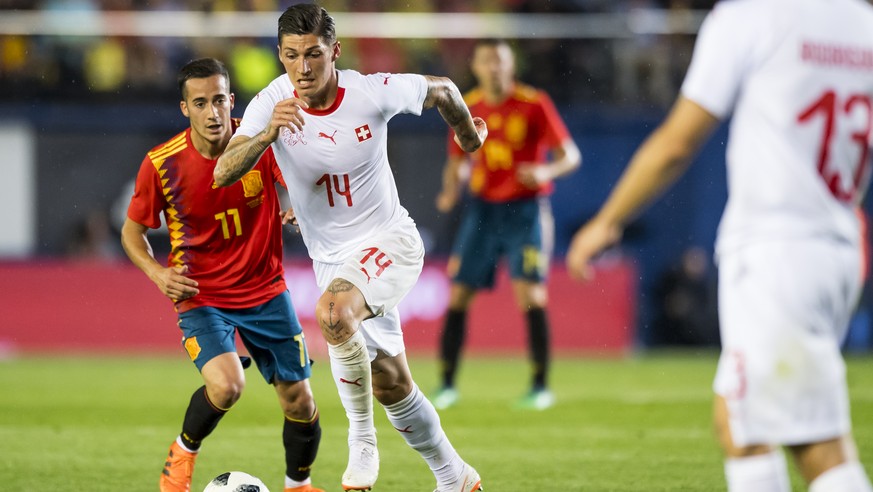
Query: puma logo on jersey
<point x="329" y="137"/>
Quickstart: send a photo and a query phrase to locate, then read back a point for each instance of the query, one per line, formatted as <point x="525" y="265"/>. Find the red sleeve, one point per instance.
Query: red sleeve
<point x="556" y="130"/>
<point x="148" y="201"/>
<point x="270" y="161"/>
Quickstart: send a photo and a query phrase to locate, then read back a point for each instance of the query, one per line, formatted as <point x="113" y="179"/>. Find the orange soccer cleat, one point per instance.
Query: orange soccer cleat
<point x="303" y="488"/>
<point x="176" y="476"/>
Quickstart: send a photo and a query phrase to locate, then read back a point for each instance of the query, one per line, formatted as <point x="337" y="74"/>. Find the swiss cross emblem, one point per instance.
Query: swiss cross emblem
<point x="363" y="133"/>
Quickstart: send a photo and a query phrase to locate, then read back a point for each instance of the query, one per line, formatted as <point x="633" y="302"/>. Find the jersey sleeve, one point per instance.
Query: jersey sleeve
<point x="258" y="113"/>
<point x="148" y="201"/>
<point x="396" y="93"/>
<point x="721" y="58"/>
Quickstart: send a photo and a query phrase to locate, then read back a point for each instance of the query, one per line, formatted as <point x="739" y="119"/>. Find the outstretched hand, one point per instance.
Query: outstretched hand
<point x="592" y="239"/>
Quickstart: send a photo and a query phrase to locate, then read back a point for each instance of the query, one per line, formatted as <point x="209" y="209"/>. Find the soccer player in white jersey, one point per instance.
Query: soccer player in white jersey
<point x="797" y="75"/>
<point x="328" y="131"/>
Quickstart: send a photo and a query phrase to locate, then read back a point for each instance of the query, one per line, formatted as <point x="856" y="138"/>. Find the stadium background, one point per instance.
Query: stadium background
<point x="88" y="86"/>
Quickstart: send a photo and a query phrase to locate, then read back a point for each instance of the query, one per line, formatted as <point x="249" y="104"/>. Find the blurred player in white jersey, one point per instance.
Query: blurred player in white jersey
<point x="328" y="130"/>
<point x="798" y="77"/>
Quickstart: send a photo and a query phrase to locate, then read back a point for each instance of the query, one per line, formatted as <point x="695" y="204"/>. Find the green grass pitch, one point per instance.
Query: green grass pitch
<point x="76" y="423"/>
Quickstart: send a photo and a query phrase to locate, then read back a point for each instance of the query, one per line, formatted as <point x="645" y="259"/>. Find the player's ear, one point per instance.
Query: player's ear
<point x="337" y="50"/>
<point x="232" y="99"/>
<point x="184" y="107"/>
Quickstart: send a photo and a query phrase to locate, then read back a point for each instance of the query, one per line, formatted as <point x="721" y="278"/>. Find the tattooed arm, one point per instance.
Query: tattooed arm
<point x="240" y="156"/>
<point x="470" y="132"/>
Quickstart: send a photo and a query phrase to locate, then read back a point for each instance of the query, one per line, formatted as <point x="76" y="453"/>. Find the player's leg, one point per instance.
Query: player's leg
<point x="528" y="233"/>
<point x="532" y="298"/>
<point x="339" y="312"/>
<point x="209" y="341"/>
<point x="274" y="337"/>
<point x="418" y="422"/>
<point x="301" y="433"/>
<point x="831" y="466"/>
<point x="781" y="377"/>
<point x="473" y="266"/>
<point x="752" y="468"/>
<point x="452" y="342"/>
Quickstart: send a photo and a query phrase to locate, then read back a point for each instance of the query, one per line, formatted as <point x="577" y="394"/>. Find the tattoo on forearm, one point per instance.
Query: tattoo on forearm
<point x="240" y="160"/>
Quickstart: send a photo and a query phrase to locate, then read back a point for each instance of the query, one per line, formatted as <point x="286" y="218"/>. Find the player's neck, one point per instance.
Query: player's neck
<point x="496" y="95"/>
<point x="209" y="150"/>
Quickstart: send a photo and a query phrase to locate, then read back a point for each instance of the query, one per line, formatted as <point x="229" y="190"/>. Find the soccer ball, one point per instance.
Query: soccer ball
<point x="235" y="481"/>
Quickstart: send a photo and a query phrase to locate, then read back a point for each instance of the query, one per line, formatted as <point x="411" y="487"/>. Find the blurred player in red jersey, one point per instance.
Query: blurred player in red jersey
<point x="796" y="78"/>
<point x="329" y="131"/>
<point x="508" y="213"/>
<point x="224" y="274"/>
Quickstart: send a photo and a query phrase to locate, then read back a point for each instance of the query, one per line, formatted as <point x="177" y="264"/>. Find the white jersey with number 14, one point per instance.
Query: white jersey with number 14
<point x="798" y="76"/>
<point x="339" y="181"/>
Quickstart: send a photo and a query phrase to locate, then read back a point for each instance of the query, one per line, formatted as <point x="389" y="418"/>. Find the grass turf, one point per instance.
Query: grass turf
<point x="76" y="423"/>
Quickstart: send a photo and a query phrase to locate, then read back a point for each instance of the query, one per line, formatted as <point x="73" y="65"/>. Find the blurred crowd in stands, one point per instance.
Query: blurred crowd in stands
<point x="626" y="71"/>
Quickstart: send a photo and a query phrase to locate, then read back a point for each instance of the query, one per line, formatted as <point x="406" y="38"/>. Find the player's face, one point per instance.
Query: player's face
<point x="494" y="68"/>
<point x="309" y="62"/>
<point x="207" y="105"/>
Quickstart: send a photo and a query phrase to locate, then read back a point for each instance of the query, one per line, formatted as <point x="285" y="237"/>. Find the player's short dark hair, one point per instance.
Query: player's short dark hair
<point x="201" y="68"/>
<point x="307" y="18"/>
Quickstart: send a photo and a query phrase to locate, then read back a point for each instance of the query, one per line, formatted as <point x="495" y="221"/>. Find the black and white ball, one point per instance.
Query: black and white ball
<point x="235" y="481"/>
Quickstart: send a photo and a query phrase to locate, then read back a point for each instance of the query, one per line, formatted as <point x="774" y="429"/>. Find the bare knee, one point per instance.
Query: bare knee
<point x="224" y="379"/>
<point x="223" y="392"/>
<point x="296" y="400"/>
<point x="340" y="310"/>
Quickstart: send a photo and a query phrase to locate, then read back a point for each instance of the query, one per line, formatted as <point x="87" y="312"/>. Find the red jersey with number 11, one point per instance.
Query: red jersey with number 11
<point x="230" y="238"/>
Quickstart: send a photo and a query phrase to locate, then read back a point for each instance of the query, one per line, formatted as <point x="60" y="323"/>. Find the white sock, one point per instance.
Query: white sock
<point x="182" y="445"/>
<point x="291" y="483"/>
<point x="845" y="477"/>
<point x="419" y="423"/>
<point x="759" y="473"/>
<point x="350" y="365"/>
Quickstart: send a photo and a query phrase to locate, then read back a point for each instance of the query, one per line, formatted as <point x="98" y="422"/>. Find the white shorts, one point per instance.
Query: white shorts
<point x="385" y="269"/>
<point x="784" y="310"/>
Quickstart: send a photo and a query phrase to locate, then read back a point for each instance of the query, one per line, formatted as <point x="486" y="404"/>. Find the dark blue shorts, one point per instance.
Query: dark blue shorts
<point x="521" y="230"/>
<point x="271" y="332"/>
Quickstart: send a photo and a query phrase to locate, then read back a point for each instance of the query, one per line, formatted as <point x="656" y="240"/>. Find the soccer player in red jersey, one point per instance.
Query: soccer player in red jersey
<point x="224" y="274"/>
<point x="508" y="214"/>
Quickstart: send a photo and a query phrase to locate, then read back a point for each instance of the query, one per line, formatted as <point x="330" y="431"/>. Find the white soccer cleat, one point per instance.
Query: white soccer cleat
<point x="446" y="397"/>
<point x="469" y="481"/>
<point x="363" y="469"/>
